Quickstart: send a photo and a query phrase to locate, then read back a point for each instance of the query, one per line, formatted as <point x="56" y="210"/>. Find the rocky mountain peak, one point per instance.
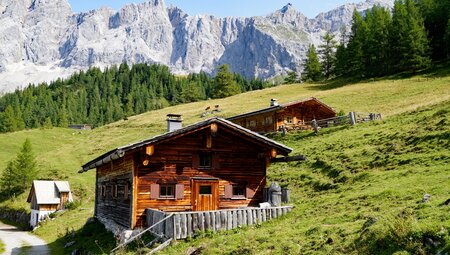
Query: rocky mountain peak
<point x="288" y="7"/>
<point x="43" y="40"/>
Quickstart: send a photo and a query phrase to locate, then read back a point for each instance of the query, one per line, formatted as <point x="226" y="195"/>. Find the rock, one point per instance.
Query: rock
<point x="426" y="198"/>
<point x="69" y="244"/>
<point x="149" y="32"/>
<point x="75" y="252"/>
<point x="194" y="250"/>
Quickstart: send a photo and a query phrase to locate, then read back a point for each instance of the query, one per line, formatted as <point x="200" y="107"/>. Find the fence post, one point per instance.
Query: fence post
<point x="315" y="126"/>
<point x="352" y="116"/>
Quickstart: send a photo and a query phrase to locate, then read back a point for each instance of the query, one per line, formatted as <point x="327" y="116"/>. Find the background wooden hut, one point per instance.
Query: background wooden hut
<point x="47" y="197"/>
<point x="292" y="115"/>
<point x="210" y="165"/>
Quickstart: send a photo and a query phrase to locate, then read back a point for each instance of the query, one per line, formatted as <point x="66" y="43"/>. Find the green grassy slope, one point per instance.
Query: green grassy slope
<point x="339" y="158"/>
<point x="360" y="192"/>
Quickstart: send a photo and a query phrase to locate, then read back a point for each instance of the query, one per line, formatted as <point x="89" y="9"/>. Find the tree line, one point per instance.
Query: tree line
<point x="99" y="97"/>
<point x="410" y="37"/>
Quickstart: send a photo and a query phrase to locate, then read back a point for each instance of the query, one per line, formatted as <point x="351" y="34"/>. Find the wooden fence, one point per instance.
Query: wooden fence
<point x="184" y="224"/>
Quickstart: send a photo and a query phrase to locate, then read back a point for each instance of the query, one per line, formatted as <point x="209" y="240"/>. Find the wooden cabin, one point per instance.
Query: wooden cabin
<point x="292" y="115"/>
<point x="211" y="165"/>
<point x="46" y="197"/>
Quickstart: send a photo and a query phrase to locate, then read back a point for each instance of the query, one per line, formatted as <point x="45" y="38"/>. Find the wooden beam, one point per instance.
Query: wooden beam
<point x="209" y="141"/>
<point x="289" y="159"/>
<point x="214" y="129"/>
<point x="149" y="150"/>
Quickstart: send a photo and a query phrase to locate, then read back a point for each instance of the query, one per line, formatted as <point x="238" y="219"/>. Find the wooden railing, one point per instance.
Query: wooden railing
<point x="186" y="224"/>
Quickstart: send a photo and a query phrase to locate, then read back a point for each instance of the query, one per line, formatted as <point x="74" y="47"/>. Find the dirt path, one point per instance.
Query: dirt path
<point x="14" y="239"/>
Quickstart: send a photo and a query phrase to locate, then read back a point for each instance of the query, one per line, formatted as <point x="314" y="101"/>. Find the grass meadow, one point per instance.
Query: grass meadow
<point x="359" y="192"/>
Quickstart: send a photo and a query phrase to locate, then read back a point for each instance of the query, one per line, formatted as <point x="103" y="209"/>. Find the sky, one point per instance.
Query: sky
<point x="223" y="8"/>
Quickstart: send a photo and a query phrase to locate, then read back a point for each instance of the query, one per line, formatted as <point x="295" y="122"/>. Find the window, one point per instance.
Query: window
<point x="205" y="190"/>
<point x="167" y="191"/>
<point x="125" y="191"/>
<point x="289" y="120"/>
<point x="238" y="191"/>
<point x="205" y="159"/>
<point x="252" y="123"/>
<point x="268" y="120"/>
<point x="103" y="190"/>
<point x="114" y="190"/>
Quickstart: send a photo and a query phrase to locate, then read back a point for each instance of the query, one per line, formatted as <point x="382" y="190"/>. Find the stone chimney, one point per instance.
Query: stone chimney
<point x="273" y="102"/>
<point x="174" y="122"/>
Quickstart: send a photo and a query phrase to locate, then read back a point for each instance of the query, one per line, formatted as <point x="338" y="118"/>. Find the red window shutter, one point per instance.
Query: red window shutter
<point x="195" y="160"/>
<point x="249" y="193"/>
<point x="228" y="191"/>
<point x="215" y="161"/>
<point x="179" y="191"/>
<point x="154" y="191"/>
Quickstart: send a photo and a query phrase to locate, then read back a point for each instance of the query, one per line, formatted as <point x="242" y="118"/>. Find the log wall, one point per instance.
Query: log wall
<point x="235" y="161"/>
<point x="111" y="204"/>
<point x="185" y="224"/>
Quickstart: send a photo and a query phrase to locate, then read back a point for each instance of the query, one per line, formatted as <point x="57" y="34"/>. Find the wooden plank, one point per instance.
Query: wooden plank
<point x="243" y="217"/>
<point x="178" y="226"/>
<point x="218" y="222"/>
<point x="201" y="221"/>
<point x="161" y="246"/>
<point x="259" y="215"/>
<point x="235" y="219"/>
<point x="213" y="220"/>
<point x="263" y="215"/>
<point x="207" y="220"/>
<point x="189" y="224"/>
<point x="195" y="227"/>
<point x="230" y="220"/>
<point x="183" y="226"/>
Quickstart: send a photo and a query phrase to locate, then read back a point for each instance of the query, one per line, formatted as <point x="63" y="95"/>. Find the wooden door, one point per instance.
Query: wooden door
<point x="205" y="195"/>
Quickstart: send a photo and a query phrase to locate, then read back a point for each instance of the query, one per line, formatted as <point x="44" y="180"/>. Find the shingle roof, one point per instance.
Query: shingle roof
<point x="120" y="152"/>
<point x="47" y="192"/>
<point x="279" y="107"/>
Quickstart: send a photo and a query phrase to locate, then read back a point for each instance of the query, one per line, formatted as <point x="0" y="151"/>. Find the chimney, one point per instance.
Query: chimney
<point x="273" y="102"/>
<point x="174" y="122"/>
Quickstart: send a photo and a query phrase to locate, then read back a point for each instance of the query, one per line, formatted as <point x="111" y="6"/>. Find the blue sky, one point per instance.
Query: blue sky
<point x="223" y="8"/>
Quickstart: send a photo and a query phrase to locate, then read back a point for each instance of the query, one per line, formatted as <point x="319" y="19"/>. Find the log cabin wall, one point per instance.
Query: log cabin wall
<point x="114" y="191"/>
<point x="264" y="122"/>
<point x="175" y="163"/>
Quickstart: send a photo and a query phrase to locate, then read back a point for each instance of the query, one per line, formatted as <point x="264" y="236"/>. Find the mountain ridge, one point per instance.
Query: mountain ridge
<point x="150" y="32"/>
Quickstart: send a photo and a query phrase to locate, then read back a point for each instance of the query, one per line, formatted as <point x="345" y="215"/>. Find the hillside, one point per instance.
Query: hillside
<point x="372" y="171"/>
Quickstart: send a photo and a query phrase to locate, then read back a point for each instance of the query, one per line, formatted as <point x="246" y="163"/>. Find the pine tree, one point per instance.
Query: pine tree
<point x="409" y="41"/>
<point x="376" y="49"/>
<point x="20" y="173"/>
<point x="355" y="47"/>
<point x="327" y="53"/>
<point x="312" y="70"/>
<point x="63" y="118"/>
<point x="291" y="78"/>
<point x="224" y="85"/>
<point x="9" y="120"/>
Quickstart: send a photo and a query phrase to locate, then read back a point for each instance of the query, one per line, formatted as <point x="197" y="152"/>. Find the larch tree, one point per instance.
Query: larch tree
<point x="312" y="70"/>
<point x="224" y="85"/>
<point x="327" y="52"/>
<point x="19" y="173"/>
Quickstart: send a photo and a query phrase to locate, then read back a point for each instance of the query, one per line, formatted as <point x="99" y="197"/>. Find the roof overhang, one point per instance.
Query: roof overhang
<point x="121" y="151"/>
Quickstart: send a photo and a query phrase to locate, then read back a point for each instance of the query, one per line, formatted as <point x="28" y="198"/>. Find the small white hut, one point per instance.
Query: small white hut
<point x="47" y="197"/>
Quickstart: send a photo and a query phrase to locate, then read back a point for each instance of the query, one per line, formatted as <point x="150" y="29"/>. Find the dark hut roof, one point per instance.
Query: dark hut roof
<point x="281" y="106"/>
<point x="120" y="152"/>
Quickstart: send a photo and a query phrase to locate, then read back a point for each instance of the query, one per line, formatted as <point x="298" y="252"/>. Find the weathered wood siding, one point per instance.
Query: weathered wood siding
<point x="235" y="161"/>
<point x="53" y="207"/>
<point x="185" y="224"/>
<point x="115" y="205"/>
<point x="299" y="113"/>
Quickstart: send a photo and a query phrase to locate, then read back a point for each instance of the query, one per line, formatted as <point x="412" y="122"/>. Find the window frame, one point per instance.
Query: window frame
<point x="236" y="187"/>
<point x="202" y="158"/>
<point x="165" y="186"/>
<point x="289" y="120"/>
